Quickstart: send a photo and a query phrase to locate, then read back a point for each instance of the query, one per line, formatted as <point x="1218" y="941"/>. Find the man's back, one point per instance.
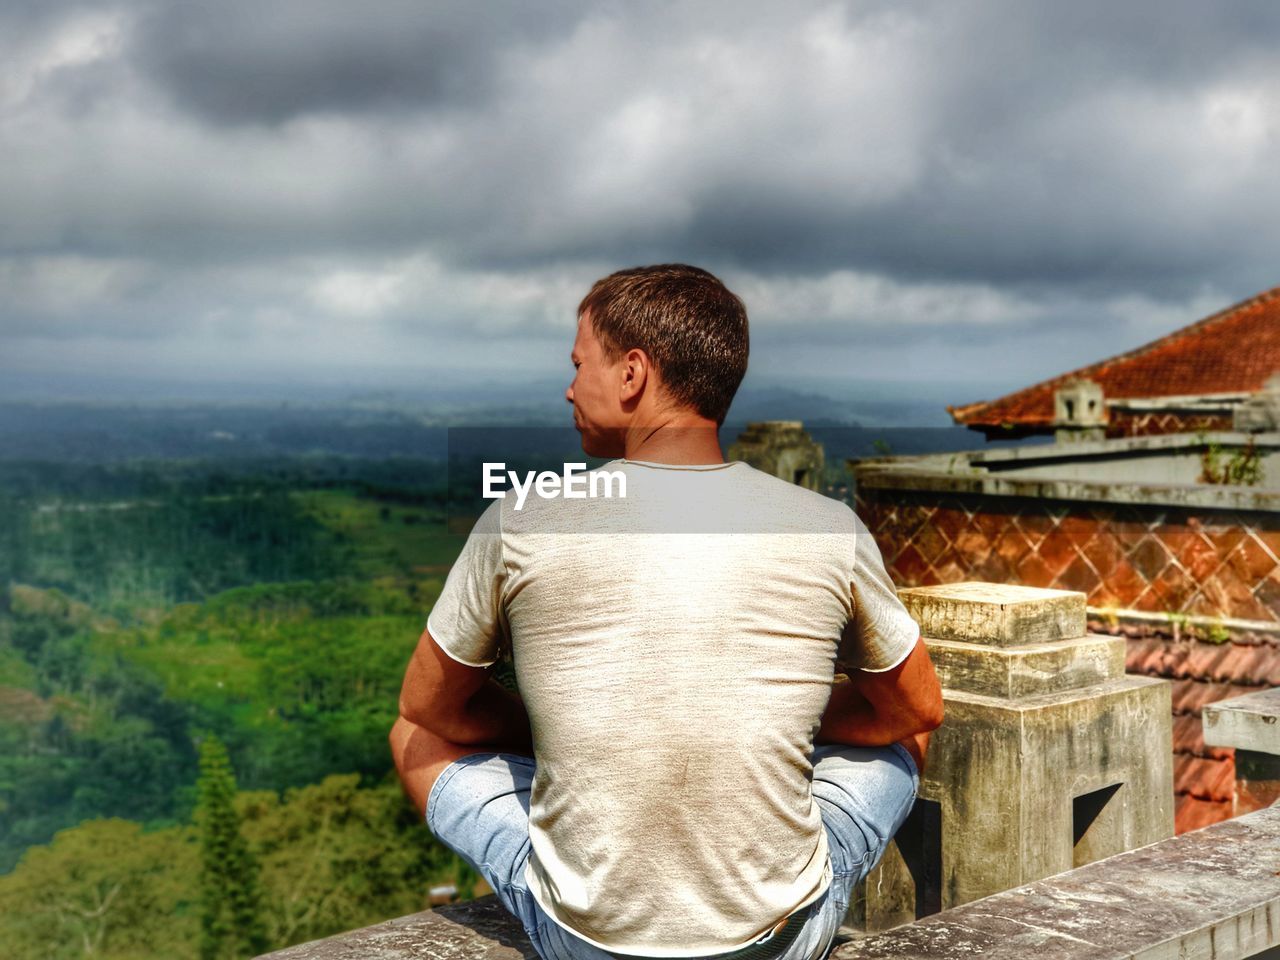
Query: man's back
<point x="675" y="650"/>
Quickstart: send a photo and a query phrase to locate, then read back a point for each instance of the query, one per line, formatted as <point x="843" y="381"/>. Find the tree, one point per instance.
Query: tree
<point x="336" y="856"/>
<point x="231" y="900"/>
<point x="104" y="890"/>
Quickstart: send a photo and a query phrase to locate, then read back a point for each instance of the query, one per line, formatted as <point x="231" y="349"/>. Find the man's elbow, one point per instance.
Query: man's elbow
<point x="416" y="715"/>
<point x="929" y="717"/>
<point x="398" y="737"/>
<point x="912" y="719"/>
<point x="405" y="711"/>
<point x="929" y="707"/>
<point x="442" y="720"/>
<point x="401" y="724"/>
<point x="928" y="699"/>
<point x="922" y="712"/>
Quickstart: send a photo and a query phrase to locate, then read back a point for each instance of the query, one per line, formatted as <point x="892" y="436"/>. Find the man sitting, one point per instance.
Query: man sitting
<point x="680" y="775"/>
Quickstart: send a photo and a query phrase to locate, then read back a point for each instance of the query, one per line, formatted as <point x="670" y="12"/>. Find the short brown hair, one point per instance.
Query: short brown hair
<point x="691" y="325"/>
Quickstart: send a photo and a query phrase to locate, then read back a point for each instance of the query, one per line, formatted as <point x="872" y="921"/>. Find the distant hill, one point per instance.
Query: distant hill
<point x="105" y="420"/>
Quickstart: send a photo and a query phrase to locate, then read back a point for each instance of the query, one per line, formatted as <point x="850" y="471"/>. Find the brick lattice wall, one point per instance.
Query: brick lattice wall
<point x="1211" y="563"/>
<point x="1156" y="559"/>
<point x="1124" y="423"/>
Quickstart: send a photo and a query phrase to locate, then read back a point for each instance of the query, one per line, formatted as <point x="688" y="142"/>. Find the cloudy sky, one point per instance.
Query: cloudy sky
<point x="395" y="191"/>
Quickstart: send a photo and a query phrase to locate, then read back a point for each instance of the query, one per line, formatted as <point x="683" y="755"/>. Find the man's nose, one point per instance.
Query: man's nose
<point x="568" y="393"/>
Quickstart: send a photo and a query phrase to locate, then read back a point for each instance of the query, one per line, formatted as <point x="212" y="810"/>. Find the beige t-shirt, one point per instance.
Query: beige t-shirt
<point x="675" y="650"/>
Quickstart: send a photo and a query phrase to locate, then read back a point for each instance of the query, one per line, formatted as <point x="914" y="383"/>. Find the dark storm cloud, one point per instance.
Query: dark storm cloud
<point x="244" y="61"/>
<point x="1055" y="149"/>
<point x="944" y="175"/>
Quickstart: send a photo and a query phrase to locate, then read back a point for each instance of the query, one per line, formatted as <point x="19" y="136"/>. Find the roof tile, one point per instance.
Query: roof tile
<point x="1190" y="695"/>
<point x="1191" y="813"/>
<point x="1188" y="737"/>
<point x="1202" y="358"/>
<point x="1246" y="664"/>
<point x="1204" y="778"/>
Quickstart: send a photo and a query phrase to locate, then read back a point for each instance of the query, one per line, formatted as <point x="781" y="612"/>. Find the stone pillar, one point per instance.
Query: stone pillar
<point x="1251" y="725"/>
<point x="1079" y="412"/>
<point x="782" y="448"/>
<point x="1049" y="757"/>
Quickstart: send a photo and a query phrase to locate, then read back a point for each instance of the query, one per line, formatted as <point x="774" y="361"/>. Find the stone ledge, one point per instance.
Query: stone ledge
<point x="995" y="473"/>
<point x="477" y="930"/>
<point x="1212" y="892"/>
<point x="1209" y="893"/>
<point x="1250" y="722"/>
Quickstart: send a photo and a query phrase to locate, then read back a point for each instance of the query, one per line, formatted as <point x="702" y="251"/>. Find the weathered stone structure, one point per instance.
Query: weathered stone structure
<point x="1187" y="571"/>
<point x="781" y="448"/>
<point x="1213" y="893"/>
<point x="1249" y="725"/>
<point x="1050" y="756"/>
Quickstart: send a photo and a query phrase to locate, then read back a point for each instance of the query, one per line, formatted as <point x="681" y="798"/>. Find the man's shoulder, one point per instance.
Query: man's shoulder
<point x="800" y="502"/>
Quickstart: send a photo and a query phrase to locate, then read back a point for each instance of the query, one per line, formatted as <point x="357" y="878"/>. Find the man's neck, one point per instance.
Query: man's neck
<point x="677" y="440"/>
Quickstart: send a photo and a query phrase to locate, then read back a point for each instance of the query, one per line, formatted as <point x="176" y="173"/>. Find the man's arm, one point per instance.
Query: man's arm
<point x="877" y="709"/>
<point x="461" y="703"/>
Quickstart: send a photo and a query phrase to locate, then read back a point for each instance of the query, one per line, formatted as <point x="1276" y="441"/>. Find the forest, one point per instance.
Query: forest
<point x="175" y="631"/>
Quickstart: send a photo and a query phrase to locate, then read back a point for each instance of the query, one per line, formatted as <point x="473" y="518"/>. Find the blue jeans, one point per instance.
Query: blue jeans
<point x="479" y="808"/>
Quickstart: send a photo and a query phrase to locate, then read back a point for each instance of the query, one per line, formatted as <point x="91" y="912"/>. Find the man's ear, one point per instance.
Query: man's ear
<point x="636" y="368"/>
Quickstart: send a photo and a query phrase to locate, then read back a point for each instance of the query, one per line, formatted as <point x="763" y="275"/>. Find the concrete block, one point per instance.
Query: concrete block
<point x="1020" y="789"/>
<point x="1250" y="722"/>
<point x="1021" y="671"/>
<point x="995" y="613"/>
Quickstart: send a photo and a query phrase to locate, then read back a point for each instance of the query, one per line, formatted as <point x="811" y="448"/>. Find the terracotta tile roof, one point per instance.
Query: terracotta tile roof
<point x="1233" y="351"/>
<point x="1201" y="673"/>
<point x="1188" y="737"/>
<point x="1250" y="665"/>
<point x="1191" y="813"/>
<point x="1203" y="778"/>
<point x="1190" y="695"/>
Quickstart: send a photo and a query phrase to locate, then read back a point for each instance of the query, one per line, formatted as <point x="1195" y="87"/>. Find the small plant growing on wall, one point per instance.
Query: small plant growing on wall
<point x="1216" y="633"/>
<point x="1110" y="616"/>
<point x="1242" y="467"/>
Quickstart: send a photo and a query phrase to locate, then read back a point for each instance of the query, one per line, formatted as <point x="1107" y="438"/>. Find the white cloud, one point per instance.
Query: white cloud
<point x="82" y="39"/>
<point x="845" y="300"/>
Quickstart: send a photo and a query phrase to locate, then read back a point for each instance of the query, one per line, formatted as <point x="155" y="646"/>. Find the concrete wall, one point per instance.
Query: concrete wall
<point x="1172" y="466"/>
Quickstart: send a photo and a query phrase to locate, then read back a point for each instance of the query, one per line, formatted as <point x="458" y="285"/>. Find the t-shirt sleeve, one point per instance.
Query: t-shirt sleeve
<point x="881" y="633"/>
<point x="468" y="622"/>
